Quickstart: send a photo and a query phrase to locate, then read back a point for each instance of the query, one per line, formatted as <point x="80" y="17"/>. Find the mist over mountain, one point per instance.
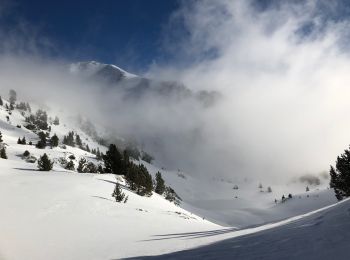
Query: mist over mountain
<point x="136" y="87"/>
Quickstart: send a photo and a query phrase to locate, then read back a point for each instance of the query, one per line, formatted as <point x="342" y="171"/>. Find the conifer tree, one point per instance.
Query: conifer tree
<point x="54" y="141"/>
<point x="1" y="137"/>
<point x="78" y="141"/>
<point x="340" y="176"/>
<point x="3" y="154"/>
<point x="100" y="169"/>
<point x="113" y="160"/>
<point x="44" y="163"/>
<point x="1" y="102"/>
<point x="70" y="165"/>
<point x="42" y="142"/>
<point x="81" y="165"/>
<point x="160" y="185"/>
<point x="118" y="194"/>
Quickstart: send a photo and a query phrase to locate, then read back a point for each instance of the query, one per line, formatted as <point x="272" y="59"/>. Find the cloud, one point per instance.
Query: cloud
<point x="283" y="72"/>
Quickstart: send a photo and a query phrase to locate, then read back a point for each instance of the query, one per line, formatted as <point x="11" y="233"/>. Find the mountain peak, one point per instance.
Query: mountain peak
<point x="108" y="71"/>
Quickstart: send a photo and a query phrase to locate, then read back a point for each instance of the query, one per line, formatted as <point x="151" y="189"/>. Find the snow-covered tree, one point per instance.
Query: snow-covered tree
<point x="44" y="163"/>
<point x="118" y="194"/>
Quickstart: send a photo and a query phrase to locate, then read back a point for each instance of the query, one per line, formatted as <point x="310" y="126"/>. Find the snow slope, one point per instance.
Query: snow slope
<point x="323" y="234"/>
<point x="68" y="215"/>
<point x="65" y="215"/>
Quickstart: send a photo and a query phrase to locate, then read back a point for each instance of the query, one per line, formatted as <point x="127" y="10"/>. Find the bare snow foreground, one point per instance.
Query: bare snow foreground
<point x="322" y="234"/>
<point x="66" y="215"/>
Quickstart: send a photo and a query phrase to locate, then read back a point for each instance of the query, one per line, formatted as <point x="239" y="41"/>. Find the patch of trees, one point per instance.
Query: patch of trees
<point x="172" y="196"/>
<point x="22" y="141"/>
<point x="37" y="121"/>
<point x="139" y="180"/>
<point x="73" y="139"/>
<point x="88" y="167"/>
<point x="97" y="153"/>
<point x="24" y="106"/>
<point x="340" y="176"/>
<point x="147" y="157"/>
<point x="69" y="139"/>
<point x="137" y="177"/>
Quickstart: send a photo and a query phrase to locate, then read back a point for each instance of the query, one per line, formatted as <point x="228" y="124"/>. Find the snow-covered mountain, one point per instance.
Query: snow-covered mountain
<point x="63" y="214"/>
<point x="109" y="72"/>
<point x="136" y="86"/>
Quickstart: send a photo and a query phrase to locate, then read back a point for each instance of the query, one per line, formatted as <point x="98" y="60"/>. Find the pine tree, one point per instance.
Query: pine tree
<point x="269" y="189"/>
<point x="113" y="160"/>
<point x="42" y="142"/>
<point x="19" y="141"/>
<point x="69" y="139"/>
<point x="3" y="154"/>
<point x="172" y="196"/>
<point x="81" y="165"/>
<point x="160" y="185"/>
<point x="100" y="169"/>
<point x="24" y="141"/>
<point x="139" y="180"/>
<point x="91" y="168"/>
<point x="1" y="102"/>
<point x="44" y="163"/>
<point x="118" y="194"/>
<point x="99" y="155"/>
<point x="1" y="137"/>
<point x="54" y="141"/>
<point x="70" y="166"/>
<point x="78" y="141"/>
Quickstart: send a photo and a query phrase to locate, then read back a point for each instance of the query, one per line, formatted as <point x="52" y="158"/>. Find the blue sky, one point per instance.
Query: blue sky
<point x="127" y="33"/>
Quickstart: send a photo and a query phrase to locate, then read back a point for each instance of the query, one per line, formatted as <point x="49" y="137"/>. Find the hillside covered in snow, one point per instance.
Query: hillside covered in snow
<point x="71" y="212"/>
